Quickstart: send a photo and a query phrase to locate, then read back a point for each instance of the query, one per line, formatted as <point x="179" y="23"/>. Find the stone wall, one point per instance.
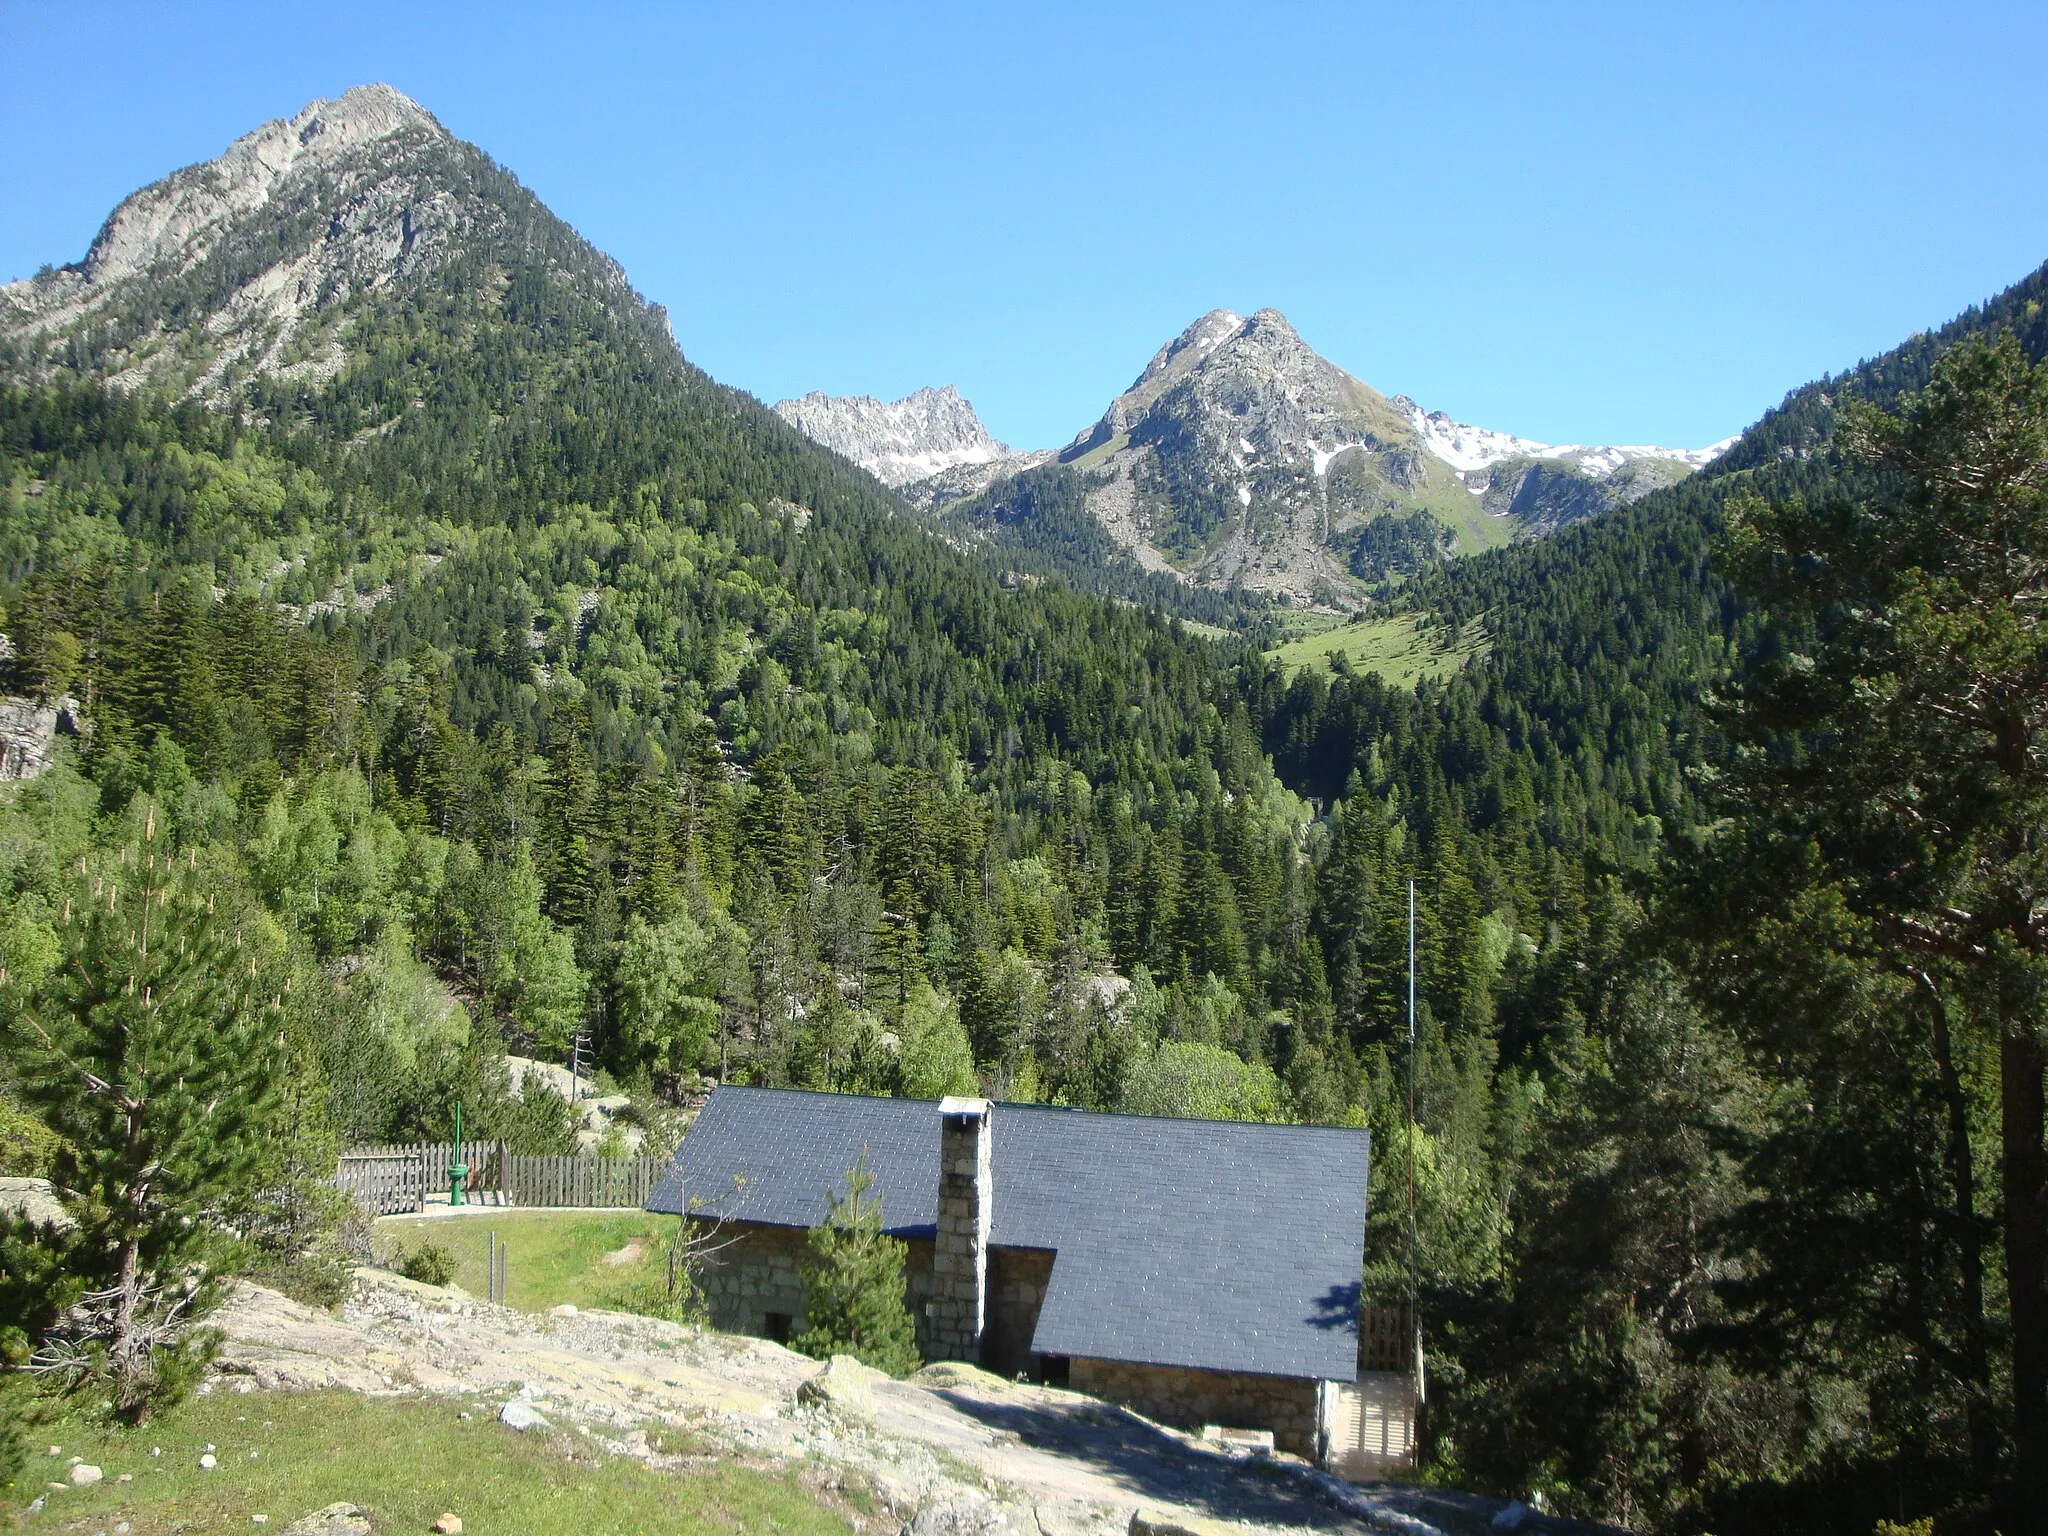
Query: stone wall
<point x="1190" y="1398"/>
<point x="1017" y="1278"/>
<point x="758" y="1270"/>
<point x="755" y="1272"/>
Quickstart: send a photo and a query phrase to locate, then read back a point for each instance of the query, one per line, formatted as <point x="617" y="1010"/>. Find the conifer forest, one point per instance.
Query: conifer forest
<point x="511" y="687"/>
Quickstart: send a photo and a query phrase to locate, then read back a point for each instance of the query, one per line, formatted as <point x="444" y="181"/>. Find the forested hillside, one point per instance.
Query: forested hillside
<point x="509" y="680"/>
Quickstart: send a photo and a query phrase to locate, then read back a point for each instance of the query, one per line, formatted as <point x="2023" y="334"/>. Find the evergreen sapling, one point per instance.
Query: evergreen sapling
<point x="853" y="1284"/>
<point x="154" y="1049"/>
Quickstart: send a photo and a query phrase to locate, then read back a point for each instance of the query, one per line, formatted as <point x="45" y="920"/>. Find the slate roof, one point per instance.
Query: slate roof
<point x="1202" y="1243"/>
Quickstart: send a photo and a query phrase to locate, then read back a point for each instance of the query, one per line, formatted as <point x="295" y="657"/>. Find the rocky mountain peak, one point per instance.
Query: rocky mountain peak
<point x="896" y="441"/>
<point x="210" y="273"/>
<point x="174" y="217"/>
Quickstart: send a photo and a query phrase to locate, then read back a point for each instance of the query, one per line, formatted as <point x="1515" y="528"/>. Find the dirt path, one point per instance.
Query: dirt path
<point x="960" y="1453"/>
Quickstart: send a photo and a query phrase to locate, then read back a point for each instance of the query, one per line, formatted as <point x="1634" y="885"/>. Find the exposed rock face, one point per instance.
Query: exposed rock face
<point x="1239" y="455"/>
<point x="246" y="267"/>
<point x="964" y="481"/>
<point x="897" y="441"/>
<point x="29" y="729"/>
<point x="1542" y="495"/>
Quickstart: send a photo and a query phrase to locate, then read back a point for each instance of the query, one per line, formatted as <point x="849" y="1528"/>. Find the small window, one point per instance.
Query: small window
<point x="1052" y="1370"/>
<point x="777" y="1325"/>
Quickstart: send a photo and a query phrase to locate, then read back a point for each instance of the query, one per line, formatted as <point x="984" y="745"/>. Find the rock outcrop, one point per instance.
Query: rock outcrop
<point x="252" y="266"/>
<point x="1240" y="456"/>
<point x="897" y="441"/>
<point x="29" y="729"/>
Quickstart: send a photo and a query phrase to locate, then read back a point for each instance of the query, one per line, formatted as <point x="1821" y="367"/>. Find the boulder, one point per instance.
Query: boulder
<point x="1511" y="1516"/>
<point x="334" y="1520"/>
<point x="523" y="1416"/>
<point x="449" y="1524"/>
<point x="844" y="1385"/>
<point x="84" y="1474"/>
<point x="36" y="1202"/>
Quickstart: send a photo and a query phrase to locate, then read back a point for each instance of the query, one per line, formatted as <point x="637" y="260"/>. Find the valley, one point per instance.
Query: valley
<point x="413" y="659"/>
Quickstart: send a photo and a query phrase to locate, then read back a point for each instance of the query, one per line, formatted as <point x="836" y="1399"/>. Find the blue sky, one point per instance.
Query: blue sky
<point x="1637" y="223"/>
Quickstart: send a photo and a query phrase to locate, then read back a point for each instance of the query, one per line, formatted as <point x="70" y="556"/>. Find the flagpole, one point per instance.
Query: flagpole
<point x="1414" y="1320"/>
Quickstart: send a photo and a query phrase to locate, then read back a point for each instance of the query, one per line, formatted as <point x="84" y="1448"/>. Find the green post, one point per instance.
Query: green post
<point x="458" y="1170"/>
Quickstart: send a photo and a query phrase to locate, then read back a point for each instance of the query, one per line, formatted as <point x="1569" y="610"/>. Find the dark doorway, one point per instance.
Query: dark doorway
<point x="777" y="1326"/>
<point x="1052" y="1370"/>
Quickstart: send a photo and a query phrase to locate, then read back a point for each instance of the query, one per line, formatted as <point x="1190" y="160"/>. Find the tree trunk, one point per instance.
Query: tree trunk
<point x="2022" y="1062"/>
<point x="131" y="1400"/>
<point x="1969" y="1238"/>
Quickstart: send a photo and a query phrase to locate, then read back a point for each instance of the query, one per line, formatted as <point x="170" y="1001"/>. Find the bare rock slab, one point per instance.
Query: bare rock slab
<point x="334" y="1520"/>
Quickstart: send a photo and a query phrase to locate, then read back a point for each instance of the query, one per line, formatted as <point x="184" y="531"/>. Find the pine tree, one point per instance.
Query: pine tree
<point x="853" y="1284"/>
<point x="154" y="1049"/>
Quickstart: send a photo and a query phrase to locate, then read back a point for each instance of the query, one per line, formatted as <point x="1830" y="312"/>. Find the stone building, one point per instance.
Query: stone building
<point x="1203" y="1272"/>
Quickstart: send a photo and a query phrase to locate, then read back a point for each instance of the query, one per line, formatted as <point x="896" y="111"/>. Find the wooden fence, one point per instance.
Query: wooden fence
<point x="393" y="1180"/>
<point x="1385" y="1340"/>
<point x="385" y="1181"/>
<point x="607" y="1181"/>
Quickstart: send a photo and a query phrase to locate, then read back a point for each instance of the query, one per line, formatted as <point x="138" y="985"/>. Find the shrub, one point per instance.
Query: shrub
<point x="430" y="1263"/>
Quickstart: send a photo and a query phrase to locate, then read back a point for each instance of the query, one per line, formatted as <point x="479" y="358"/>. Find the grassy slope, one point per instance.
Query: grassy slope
<point x="1394" y="648"/>
<point x="552" y="1256"/>
<point x="1446" y="499"/>
<point x="403" y="1461"/>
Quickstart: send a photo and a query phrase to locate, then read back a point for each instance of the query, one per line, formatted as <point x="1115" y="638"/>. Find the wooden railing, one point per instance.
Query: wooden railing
<point x="392" y="1180"/>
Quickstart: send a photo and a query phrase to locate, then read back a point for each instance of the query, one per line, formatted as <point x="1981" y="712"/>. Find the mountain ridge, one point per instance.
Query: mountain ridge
<point x="926" y="433"/>
<point x="1336" y="486"/>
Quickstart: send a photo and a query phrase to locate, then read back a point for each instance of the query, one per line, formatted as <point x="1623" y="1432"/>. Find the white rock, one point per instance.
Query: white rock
<point x="84" y="1474"/>
<point x="844" y="1385"/>
<point x="523" y="1416"/>
<point x="896" y="441"/>
<point x="1510" y="1516"/>
<point x="566" y="1309"/>
<point x="207" y="1463"/>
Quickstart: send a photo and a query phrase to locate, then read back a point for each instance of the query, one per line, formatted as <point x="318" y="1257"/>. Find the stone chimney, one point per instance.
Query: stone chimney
<point x="959" y="1306"/>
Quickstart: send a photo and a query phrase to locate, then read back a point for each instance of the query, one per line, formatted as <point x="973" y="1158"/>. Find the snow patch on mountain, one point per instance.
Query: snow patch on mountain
<point x="896" y="441"/>
<point x="1469" y="449"/>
